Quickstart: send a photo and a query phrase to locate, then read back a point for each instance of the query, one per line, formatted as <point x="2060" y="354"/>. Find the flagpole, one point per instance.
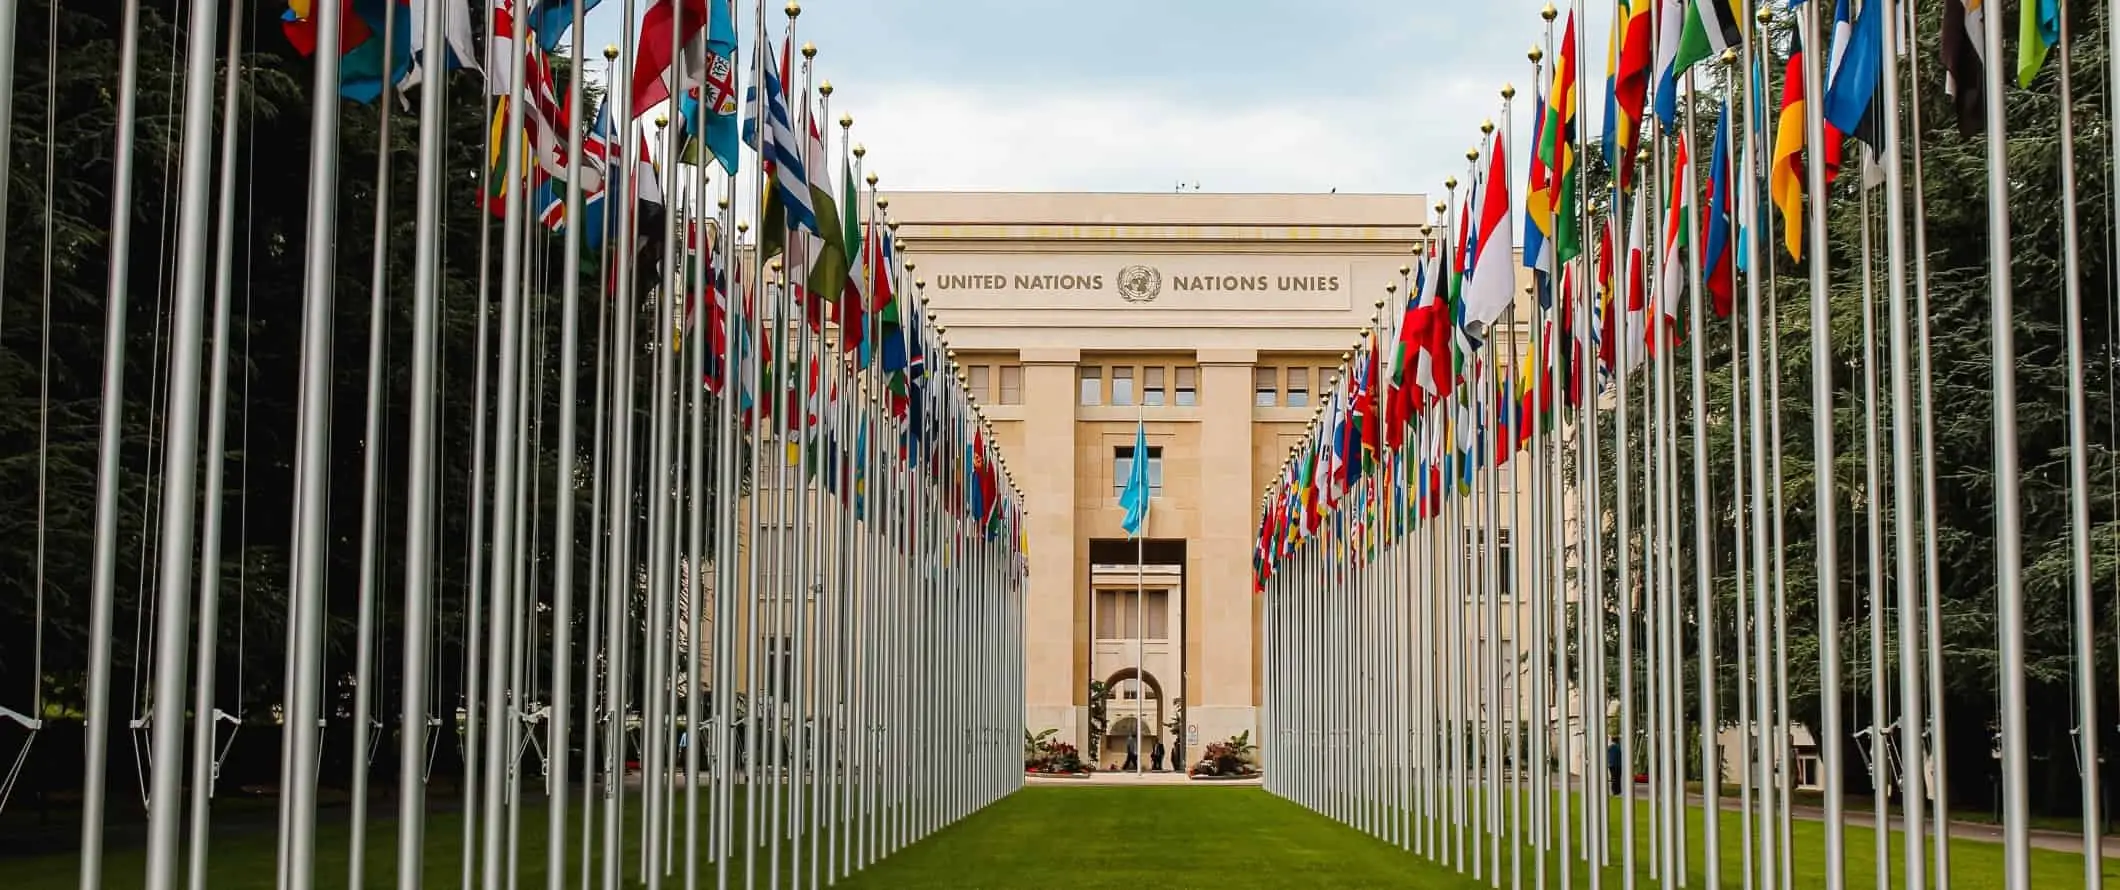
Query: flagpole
<point x="1140" y="607"/>
<point x="205" y="715"/>
<point x="1760" y="765"/>
<point x="1622" y="350"/>
<point x="2085" y="628"/>
<point x="1832" y="735"/>
<point x="2009" y="534"/>
<point x="1931" y="571"/>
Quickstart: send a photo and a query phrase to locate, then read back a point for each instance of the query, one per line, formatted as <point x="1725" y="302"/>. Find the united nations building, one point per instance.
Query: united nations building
<point x="1214" y="319"/>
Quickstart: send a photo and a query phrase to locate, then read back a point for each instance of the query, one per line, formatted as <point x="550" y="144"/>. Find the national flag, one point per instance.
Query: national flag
<point x="1851" y="84"/>
<point x="1490" y="287"/>
<point x="1716" y="261"/>
<point x="2038" y="29"/>
<point x="683" y="21"/>
<point x="1786" y="181"/>
<point x="363" y="70"/>
<point x="775" y="141"/>
<point x="1538" y="198"/>
<point x="827" y="254"/>
<point x="1631" y="86"/>
<point x="1670" y="291"/>
<point x="1670" y="29"/>
<point x="1557" y="148"/>
<point x="459" y="49"/>
<point x="1964" y="60"/>
<point x="550" y="20"/>
<point x="1712" y="28"/>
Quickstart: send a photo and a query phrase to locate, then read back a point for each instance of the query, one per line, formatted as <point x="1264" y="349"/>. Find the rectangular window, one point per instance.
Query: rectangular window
<point x="1186" y="395"/>
<point x="1123" y="385"/>
<point x="1152" y="386"/>
<point x="1092" y="385"/>
<point x="1123" y="616"/>
<point x="1298" y="387"/>
<point x="979" y="377"/>
<point x="1011" y="385"/>
<point x="1123" y="466"/>
<point x="1265" y="387"/>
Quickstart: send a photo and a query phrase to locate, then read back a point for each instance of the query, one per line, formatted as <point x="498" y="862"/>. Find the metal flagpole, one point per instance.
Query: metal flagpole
<point x="205" y="716"/>
<point x="371" y="468"/>
<point x="1931" y="572"/>
<point x="1910" y="722"/>
<point x="2009" y="542"/>
<point x="180" y="449"/>
<point x="109" y="429"/>
<point x="1826" y="537"/>
<point x="298" y="752"/>
<point x="420" y="472"/>
<point x="1624" y="546"/>
<point x="2084" y="614"/>
<point x="1873" y="523"/>
<point x="1707" y="662"/>
<point x="1754" y="251"/>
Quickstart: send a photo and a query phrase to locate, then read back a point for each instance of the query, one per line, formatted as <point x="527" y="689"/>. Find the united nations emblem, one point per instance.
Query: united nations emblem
<point x="1139" y="284"/>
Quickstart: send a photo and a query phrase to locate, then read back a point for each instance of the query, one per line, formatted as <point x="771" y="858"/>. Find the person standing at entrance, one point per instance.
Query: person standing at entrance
<point x="1612" y="767"/>
<point x="1133" y="754"/>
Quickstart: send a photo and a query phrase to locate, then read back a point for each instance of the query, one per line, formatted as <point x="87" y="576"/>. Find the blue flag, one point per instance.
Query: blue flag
<point x="1134" y="500"/>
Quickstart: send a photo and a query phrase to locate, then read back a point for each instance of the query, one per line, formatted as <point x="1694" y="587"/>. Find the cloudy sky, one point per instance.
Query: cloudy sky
<point x="1141" y="95"/>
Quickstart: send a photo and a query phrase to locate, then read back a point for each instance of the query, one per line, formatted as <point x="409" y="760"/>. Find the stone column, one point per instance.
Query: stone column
<point x="1219" y="585"/>
<point x="1052" y="619"/>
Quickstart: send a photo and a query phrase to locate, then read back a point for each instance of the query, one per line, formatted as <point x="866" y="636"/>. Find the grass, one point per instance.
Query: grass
<point x="1049" y="837"/>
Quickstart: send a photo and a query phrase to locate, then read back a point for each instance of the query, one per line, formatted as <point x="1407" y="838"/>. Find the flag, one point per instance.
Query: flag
<point x="1858" y="58"/>
<point x="1712" y="28"/>
<point x="708" y="122"/>
<point x="653" y="68"/>
<point x="1670" y="30"/>
<point x="459" y="50"/>
<point x="550" y="20"/>
<point x="1964" y="60"/>
<point x="1671" y="287"/>
<point x="775" y="142"/>
<point x="1630" y="87"/>
<point x="1558" y="148"/>
<point x="1786" y="180"/>
<point x="1490" y="286"/>
<point x="1135" y="498"/>
<point x="827" y="278"/>
<point x="2038" y="29"/>
<point x="363" y="70"/>
<point x="1538" y="197"/>
<point x="1715" y="263"/>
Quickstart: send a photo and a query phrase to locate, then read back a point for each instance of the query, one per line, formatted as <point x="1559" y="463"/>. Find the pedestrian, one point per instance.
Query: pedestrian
<point x="1612" y="768"/>
<point x="1133" y="753"/>
<point x="1155" y="757"/>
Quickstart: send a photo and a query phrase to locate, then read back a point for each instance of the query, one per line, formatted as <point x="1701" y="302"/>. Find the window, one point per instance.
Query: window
<point x="1011" y="385"/>
<point x="1123" y="466"/>
<point x="1185" y="397"/>
<point x="1121" y="615"/>
<point x="1298" y="387"/>
<point x="1505" y="564"/>
<point x="1152" y="386"/>
<point x="1265" y="387"/>
<point x="978" y="377"/>
<point x="1123" y="385"/>
<point x="1092" y="385"/>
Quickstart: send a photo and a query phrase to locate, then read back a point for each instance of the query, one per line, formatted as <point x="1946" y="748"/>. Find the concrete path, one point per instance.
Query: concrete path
<point x="1147" y="778"/>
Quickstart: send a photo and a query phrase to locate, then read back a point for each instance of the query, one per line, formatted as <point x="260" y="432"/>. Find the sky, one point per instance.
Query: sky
<point x="1304" y="96"/>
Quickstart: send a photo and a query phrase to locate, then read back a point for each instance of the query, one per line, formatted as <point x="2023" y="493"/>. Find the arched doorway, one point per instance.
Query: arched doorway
<point x="1136" y="703"/>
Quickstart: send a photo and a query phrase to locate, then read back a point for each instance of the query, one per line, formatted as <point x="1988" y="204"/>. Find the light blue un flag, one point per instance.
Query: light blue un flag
<point x="1135" y="498"/>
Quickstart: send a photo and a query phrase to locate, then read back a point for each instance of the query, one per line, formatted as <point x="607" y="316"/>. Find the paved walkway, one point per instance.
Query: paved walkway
<point x="1146" y="778"/>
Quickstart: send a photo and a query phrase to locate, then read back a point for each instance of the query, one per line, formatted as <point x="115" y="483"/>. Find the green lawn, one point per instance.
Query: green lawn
<point x="1045" y="837"/>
